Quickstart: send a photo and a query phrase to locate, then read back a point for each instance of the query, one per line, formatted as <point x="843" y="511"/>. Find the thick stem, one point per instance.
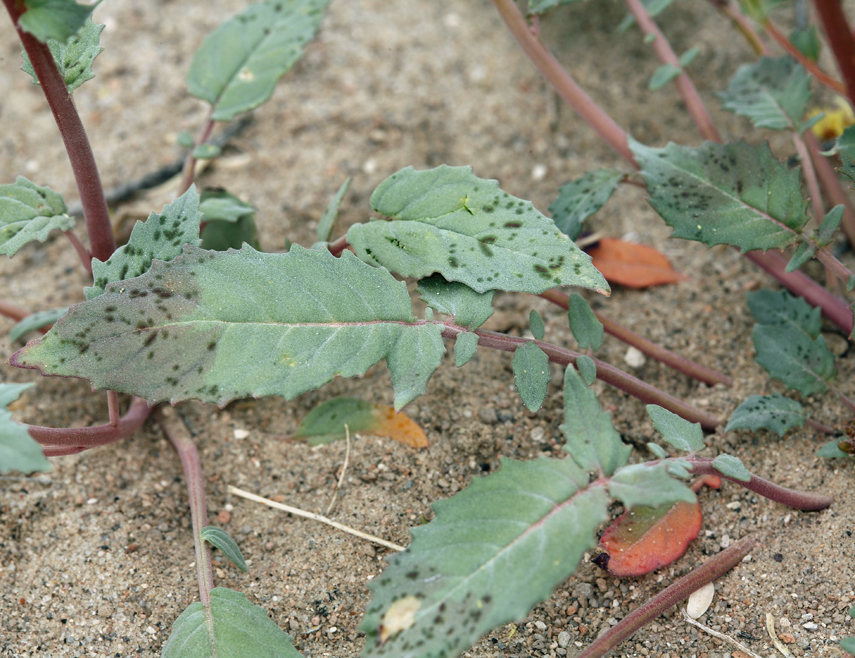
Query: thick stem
<point x="679" y="363"/>
<point x="802" y="500"/>
<point x="666" y="54"/>
<point x="712" y="569"/>
<point x="177" y="433"/>
<point x="810" y="66"/>
<point x="563" y="83"/>
<point x="838" y="33"/>
<point x="834" y="191"/>
<point x="74" y="137"/>
<point x="89" y="437"/>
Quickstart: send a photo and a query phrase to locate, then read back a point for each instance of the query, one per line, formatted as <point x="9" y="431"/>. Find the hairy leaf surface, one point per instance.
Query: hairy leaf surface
<point x="29" y="212"/>
<point x="216" y="326"/>
<point x="18" y="450"/>
<point x="492" y="552"/>
<point x="73" y="58"/>
<point x="581" y="198"/>
<point x="54" y="19"/>
<point x="648" y="485"/>
<point x="791" y="355"/>
<point x="235" y="627"/>
<point x="222" y="540"/>
<point x="782" y="308"/>
<point x="735" y="194"/>
<point x="447" y="220"/>
<point x="770" y="412"/>
<point x="732" y="467"/>
<point x="469" y="308"/>
<point x="586" y="328"/>
<point x="239" y="63"/>
<point x="531" y="374"/>
<point x="679" y="432"/>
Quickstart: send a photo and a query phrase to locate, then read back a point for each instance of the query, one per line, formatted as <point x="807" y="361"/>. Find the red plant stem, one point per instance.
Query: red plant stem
<point x="177" y="433"/>
<point x="831" y="185"/>
<point x="709" y="571"/>
<point x="823" y="78"/>
<point x="666" y="54"/>
<point x="838" y="33"/>
<point x="74" y="137"/>
<point x="12" y="311"/>
<point x="834" y="308"/>
<point x="189" y="171"/>
<point x="608" y="373"/>
<point x="339" y="245"/>
<point x="82" y="252"/>
<point x="810" y="175"/>
<point x="62" y="451"/>
<point x="99" y="435"/>
<point x="113" y="407"/>
<point x="563" y="83"/>
<point x="679" y="363"/>
<point x="820" y="427"/>
<point x="801" y="500"/>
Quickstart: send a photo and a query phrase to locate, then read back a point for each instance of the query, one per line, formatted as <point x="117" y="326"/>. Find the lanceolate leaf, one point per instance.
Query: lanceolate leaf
<point x="771" y="412"/>
<point x="581" y="198"/>
<point x="29" y="212"/>
<point x="216" y="326"/>
<point x="221" y="539"/>
<point x="773" y="92"/>
<point x="238" y="64"/>
<point x="531" y="374"/>
<point x="160" y="236"/>
<point x="677" y="431"/>
<point x="540" y="6"/>
<point x="732" y="467"/>
<point x="327" y="220"/>
<point x="586" y="328"/>
<point x="448" y="220"/>
<point x="35" y="321"/>
<point x="232" y="627"/>
<point x="54" y="19"/>
<point x="468" y="308"/>
<point x="18" y="450"/>
<point x="791" y="355"/>
<point x="74" y="58"/>
<point x="648" y="485"/>
<point x="464" y="348"/>
<point x="735" y="194"/>
<point x="491" y="553"/>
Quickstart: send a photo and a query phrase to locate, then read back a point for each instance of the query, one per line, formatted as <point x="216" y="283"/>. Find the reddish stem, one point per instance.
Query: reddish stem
<point x="189" y="171"/>
<point x="12" y="311"/>
<point x="73" y="136"/>
<point x="835" y="85"/>
<point x="99" y="435"/>
<point x="82" y="252"/>
<point x="712" y="569"/>
<point x="838" y="33"/>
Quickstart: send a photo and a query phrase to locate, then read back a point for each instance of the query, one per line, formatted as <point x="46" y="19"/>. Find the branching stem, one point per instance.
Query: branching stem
<point x="189" y="171"/>
<point x="89" y="437"/>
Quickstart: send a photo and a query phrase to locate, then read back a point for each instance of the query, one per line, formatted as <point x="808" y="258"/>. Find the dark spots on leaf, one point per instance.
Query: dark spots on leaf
<point x="175" y="368"/>
<point x="123" y="272"/>
<point x="412" y="575"/>
<point x="513" y="225"/>
<point x="453" y="262"/>
<point x="109" y="318"/>
<point x="485" y="249"/>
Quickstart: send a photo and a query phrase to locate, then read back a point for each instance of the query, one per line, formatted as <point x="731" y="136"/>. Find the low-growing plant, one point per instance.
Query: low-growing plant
<point x="190" y="308"/>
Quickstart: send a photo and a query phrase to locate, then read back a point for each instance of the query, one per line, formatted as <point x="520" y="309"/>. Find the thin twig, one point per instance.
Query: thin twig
<point x="770" y="628"/>
<point x="343" y="468"/>
<point x="720" y="636"/>
<point x="82" y="252"/>
<point x="315" y="517"/>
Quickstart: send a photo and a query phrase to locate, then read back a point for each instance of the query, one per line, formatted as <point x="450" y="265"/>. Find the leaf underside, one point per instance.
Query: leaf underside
<point x="447" y="220"/>
<point x="735" y="194"/>
<point x="29" y="212"/>
<point x="216" y="326"/>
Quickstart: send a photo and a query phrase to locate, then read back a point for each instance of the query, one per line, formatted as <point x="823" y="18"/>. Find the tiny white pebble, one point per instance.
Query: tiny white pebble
<point x="634" y="357"/>
<point x="241" y="434"/>
<point x="700" y="600"/>
<point x="735" y="505"/>
<point x="811" y="626"/>
<point x="91" y="501"/>
<point x="538" y="172"/>
<point x="151" y="630"/>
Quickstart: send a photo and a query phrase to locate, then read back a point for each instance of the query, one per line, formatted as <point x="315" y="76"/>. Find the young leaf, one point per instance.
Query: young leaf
<point x="206" y="151"/>
<point x="591" y="438"/>
<point x="644" y="539"/>
<point x="464" y="348"/>
<point x="473" y="567"/>
<point x="803" y="253"/>
<point x="581" y="198"/>
<point x="680" y="433"/>
<point x="807" y="41"/>
<point x="846" y="150"/>
<point x="29" y="212"/>
<point x="689" y="56"/>
<point x="773" y="93"/>
<point x="770" y="412"/>
<point x="586" y="328"/>
<point x="663" y="75"/>
<point x="54" y="19"/>
<point x="535" y="323"/>
<point x="829" y="225"/>
<point x="531" y="374"/>
<point x="328" y="218"/>
<point x="587" y="368"/>
<point x="34" y="322"/>
<point x="239" y="63"/>
<point x="469" y="309"/>
<point x="160" y="236"/>
<point x="448" y="220"/>
<point x="792" y="356"/>
<point x="216" y="326"/>
<point x="73" y="58"/>
<point x="232" y="626"/>
<point x="633" y="265"/>
<point x="18" y="450"/>
<point x="847" y="644"/>
<point x="325" y="423"/>
<point x="782" y="308"/>
<point x="653" y="7"/>
<point x="831" y="450"/>
<point x="648" y="485"/>
<point x="732" y="467"/>
<point x="229" y="222"/>
<point x="657" y="450"/>
<point x="220" y="205"/>
<point x="221" y="539"/>
<point x="540" y="6"/>
<point x="734" y="194"/>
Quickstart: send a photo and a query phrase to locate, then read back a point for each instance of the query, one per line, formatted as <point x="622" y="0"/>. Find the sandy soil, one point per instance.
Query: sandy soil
<point x="95" y="557"/>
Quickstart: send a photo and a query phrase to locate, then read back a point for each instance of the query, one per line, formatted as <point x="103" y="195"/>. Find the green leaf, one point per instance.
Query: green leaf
<point x="773" y="93"/>
<point x="732" y="467"/>
<point x="587" y="368"/>
<point x="531" y="374"/>
<point x="185" y="139"/>
<point x="492" y="552"/>
<point x="734" y="194"/>
<point x="221" y="539"/>
<point x="586" y="328"/>
<point x="231" y="627"/>
<point x="782" y="308"/>
<point x="689" y="56"/>
<point x="229" y="222"/>
<point x="73" y="58"/>
<point x="326" y="421"/>
<point x="29" y="212"/>
<point x="238" y="65"/>
<point x="18" y="450"/>
<point x="803" y="253"/>
<point x="831" y="450"/>
<point x="581" y="198"/>
<point x="848" y="644"/>
<point x="220" y="205"/>
<point x="34" y="322"/>
<point x="829" y="225"/>
<point x="468" y="308"/>
<point x="653" y="7"/>
<point x="328" y="218"/>
<point x="448" y="220"/>
<point x="648" y="485"/>
<point x="770" y="412"/>
<point x="160" y="237"/>
<point x="657" y="450"/>
<point x="792" y="356"/>
<point x="54" y="19"/>
<point x="206" y="151"/>
<point x="663" y="75"/>
<point x="540" y="6"/>
<point x="678" y="471"/>
<point x="535" y="323"/>
<point x="807" y="41"/>
<point x="591" y="438"/>
<point x="846" y="150"/>
<point x="216" y="326"/>
<point x="464" y="348"/>
<point x="679" y="432"/>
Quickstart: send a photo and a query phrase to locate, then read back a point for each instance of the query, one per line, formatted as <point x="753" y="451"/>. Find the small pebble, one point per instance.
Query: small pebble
<point x="634" y="358"/>
<point x="700" y="600"/>
<point x="241" y="434"/>
<point x="563" y="639"/>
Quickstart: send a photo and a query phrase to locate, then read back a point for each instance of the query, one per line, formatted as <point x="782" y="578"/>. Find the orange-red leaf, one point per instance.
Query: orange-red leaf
<point x="633" y="265"/>
<point x="398" y="426"/>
